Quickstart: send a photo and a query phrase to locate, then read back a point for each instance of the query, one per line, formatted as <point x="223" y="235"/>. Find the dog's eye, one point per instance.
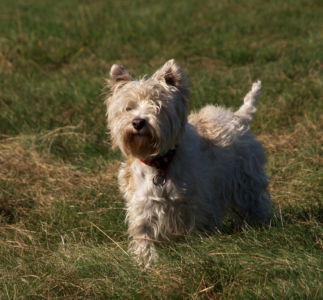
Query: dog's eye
<point x="128" y="108"/>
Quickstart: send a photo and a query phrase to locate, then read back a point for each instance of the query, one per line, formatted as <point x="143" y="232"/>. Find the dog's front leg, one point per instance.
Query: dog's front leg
<point x="140" y="228"/>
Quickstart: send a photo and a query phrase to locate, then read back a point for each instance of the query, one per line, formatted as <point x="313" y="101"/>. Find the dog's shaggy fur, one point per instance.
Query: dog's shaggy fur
<point x="216" y="164"/>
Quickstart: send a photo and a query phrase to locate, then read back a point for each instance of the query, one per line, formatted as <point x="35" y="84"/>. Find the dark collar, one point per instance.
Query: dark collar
<point x="161" y="163"/>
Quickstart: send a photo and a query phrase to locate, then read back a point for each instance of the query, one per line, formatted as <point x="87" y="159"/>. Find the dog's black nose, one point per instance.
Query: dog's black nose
<point x="138" y="123"/>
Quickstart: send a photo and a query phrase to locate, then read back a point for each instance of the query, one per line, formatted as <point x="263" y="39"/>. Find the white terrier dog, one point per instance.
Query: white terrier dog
<point x="182" y="173"/>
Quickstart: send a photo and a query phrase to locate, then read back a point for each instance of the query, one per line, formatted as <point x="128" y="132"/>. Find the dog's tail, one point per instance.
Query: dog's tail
<point x="248" y="108"/>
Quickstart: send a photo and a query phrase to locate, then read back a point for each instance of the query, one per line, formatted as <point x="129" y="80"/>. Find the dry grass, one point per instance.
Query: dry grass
<point x="34" y="178"/>
<point x="295" y="161"/>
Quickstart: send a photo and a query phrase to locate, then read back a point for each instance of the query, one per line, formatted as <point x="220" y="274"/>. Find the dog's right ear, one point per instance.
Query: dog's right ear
<point x="118" y="76"/>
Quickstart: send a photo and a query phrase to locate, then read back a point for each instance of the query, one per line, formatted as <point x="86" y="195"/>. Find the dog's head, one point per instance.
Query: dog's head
<point x="146" y="117"/>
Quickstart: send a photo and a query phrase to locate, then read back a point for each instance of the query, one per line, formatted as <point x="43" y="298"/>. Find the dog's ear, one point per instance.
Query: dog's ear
<point x="118" y="76"/>
<point x="173" y="75"/>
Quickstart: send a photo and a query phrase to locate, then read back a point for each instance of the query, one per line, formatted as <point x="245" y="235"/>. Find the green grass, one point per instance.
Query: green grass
<point x="62" y="231"/>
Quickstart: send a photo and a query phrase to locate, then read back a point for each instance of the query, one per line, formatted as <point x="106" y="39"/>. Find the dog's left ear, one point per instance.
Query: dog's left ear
<point x="119" y="75"/>
<point x="173" y="75"/>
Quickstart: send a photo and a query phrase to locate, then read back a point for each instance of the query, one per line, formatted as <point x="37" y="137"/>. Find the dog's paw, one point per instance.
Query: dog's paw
<point x="144" y="252"/>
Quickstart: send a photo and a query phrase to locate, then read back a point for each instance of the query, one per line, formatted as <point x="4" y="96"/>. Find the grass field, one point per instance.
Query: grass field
<point x="62" y="231"/>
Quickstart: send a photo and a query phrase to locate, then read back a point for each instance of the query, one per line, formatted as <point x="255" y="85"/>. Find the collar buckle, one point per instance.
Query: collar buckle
<point x="161" y="163"/>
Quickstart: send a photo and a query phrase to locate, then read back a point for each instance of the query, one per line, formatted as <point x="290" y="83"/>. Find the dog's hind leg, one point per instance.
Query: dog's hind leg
<point x="248" y="109"/>
<point x="251" y="197"/>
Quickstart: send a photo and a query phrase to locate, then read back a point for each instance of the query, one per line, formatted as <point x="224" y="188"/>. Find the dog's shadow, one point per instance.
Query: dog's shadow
<point x="290" y="216"/>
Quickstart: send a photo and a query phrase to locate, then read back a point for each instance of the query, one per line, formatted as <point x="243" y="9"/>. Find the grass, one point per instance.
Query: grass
<point x="62" y="231"/>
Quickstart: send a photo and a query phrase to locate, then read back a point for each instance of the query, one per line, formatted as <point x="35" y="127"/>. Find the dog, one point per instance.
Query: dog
<point x="182" y="172"/>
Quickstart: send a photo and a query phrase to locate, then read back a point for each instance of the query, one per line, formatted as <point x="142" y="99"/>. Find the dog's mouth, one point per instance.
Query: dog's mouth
<point x="141" y="133"/>
<point x="140" y="144"/>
